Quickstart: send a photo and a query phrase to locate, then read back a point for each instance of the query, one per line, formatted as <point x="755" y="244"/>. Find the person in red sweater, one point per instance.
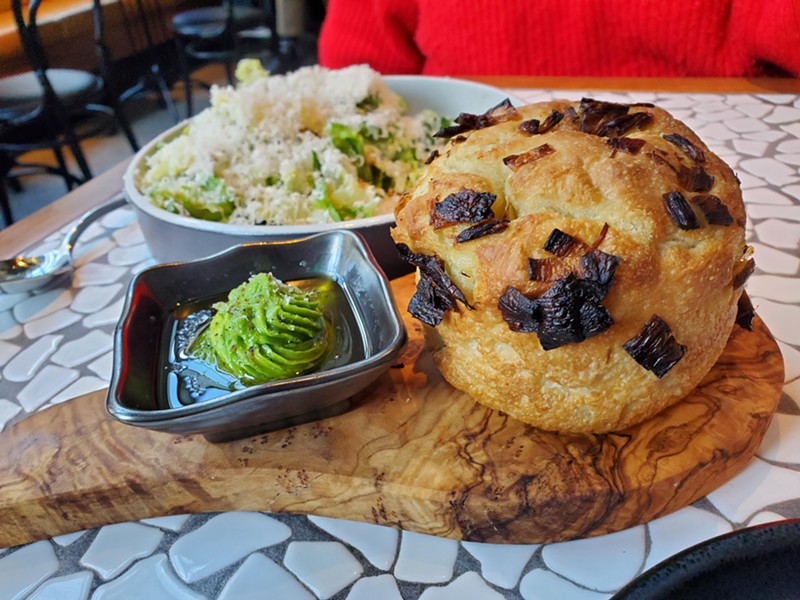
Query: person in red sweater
<point x="624" y="38"/>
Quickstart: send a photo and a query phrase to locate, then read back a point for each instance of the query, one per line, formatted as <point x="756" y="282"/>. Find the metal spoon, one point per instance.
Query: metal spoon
<point x="25" y="273"/>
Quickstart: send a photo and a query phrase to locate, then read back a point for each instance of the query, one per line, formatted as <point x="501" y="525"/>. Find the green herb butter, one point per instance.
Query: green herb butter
<point x="267" y="330"/>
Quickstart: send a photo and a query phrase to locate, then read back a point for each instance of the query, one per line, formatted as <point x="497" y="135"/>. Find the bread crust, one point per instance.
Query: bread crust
<point x="580" y="187"/>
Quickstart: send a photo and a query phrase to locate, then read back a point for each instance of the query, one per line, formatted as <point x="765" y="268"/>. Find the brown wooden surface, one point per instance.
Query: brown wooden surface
<point x="414" y="453"/>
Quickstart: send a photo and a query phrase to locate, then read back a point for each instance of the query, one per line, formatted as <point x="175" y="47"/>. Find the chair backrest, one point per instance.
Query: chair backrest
<point x="229" y="29"/>
<point x="47" y="112"/>
<point x="232" y="29"/>
<point x="143" y="23"/>
<point x="35" y="54"/>
<point x="229" y="32"/>
<point x="29" y="32"/>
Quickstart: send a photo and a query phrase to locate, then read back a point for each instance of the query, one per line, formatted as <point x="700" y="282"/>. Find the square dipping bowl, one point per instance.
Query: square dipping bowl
<point x="146" y="387"/>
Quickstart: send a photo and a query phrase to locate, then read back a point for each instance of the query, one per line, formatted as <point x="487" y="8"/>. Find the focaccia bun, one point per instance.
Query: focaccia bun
<point x="579" y="264"/>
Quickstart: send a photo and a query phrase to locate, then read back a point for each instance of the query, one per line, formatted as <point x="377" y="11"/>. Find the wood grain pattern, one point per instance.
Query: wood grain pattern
<point x="413" y="453"/>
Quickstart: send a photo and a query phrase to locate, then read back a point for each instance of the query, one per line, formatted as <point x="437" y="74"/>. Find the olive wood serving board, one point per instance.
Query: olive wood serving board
<point x="413" y="453"/>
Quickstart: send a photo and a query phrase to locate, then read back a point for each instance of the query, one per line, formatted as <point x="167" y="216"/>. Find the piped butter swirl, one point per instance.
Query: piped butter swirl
<point x="267" y="330"/>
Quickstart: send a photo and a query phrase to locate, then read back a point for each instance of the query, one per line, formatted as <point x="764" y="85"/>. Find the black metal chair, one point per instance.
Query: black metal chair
<point x="49" y="109"/>
<point x="224" y="33"/>
<point x="146" y="33"/>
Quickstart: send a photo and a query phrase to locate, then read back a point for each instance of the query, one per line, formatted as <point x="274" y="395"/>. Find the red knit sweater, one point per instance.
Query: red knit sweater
<point x="628" y="38"/>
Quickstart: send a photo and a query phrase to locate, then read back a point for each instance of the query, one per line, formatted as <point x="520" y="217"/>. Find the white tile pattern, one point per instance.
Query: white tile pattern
<point x="68" y="538"/>
<point x="25" y="568"/>
<point x="75" y="586"/>
<point x="222" y="541"/>
<point x="62" y="335"/>
<point x="38" y="306"/>
<point x="325" y="567"/>
<point x="27" y="363"/>
<point x="149" y="578"/>
<point x="97" y="274"/>
<point x="117" y="546"/>
<point x="539" y="584"/>
<point x="173" y="523"/>
<point x="75" y="353"/>
<point x="257" y="574"/>
<point x="51" y="323"/>
<point x="468" y="586"/>
<point x="765" y="517"/>
<point x="680" y="530"/>
<point x="378" y="544"/>
<point x="425" y="558"/>
<point x="501" y="564"/>
<point x="615" y="559"/>
<point x="371" y="588"/>
<point x="758" y="486"/>
<point x="46" y="383"/>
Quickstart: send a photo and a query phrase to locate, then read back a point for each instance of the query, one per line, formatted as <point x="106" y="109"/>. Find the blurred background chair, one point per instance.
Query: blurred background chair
<point x="141" y="62"/>
<point x="292" y="19"/>
<point x="224" y="34"/>
<point x="51" y="109"/>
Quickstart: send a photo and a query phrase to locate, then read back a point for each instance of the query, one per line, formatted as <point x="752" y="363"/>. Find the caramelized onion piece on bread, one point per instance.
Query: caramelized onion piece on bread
<point x="580" y="263"/>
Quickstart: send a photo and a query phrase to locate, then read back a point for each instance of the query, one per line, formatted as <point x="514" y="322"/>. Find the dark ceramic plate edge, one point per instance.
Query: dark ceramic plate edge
<point x="755" y="562"/>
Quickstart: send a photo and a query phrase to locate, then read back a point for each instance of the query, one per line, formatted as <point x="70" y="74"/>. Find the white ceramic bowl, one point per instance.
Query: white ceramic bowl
<point x="174" y="238"/>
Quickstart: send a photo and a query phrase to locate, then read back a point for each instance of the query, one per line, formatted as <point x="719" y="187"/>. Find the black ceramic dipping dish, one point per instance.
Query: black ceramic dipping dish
<point x="137" y="394"/>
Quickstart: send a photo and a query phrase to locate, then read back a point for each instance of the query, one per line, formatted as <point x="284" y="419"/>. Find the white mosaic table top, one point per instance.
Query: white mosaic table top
<point x="56" y="344"/>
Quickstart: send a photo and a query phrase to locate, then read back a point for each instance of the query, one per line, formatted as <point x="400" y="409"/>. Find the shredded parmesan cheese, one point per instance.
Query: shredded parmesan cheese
<point x="312" y="146"/>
